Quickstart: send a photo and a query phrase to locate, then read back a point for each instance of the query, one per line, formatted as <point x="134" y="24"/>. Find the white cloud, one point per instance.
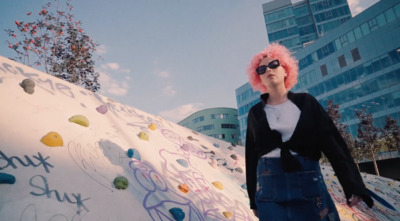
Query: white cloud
<point x="101" y="49"/>
<point x="163" y="74"/>
<point x="112" y="66"/>
<point x="110" y="85"/>
<point x="181" y="112"/>
<point x="169" y="91"/>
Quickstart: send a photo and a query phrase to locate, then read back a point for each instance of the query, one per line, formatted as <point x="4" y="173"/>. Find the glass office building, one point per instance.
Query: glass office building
<point x="357" y="66"/>
<point x="221" y="123"/>
<point x="299" y="24"/>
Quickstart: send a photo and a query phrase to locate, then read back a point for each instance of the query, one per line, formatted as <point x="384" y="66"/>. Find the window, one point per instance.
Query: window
<point x="205" y="127"/>
<point x="358" y="33"/>
<point x="324" y="70"/>
<point x="342" y="61"/>
<point x="198" y="119"/>
<point x="373" y="25"/>
<point x="219" y="116"/>
<point x="390" y="16"/>
<point x="229" y="126"/>
<point x="350" y="37"/>
<point x="355" y="54"/>
<point x="381" y="20"/>
<point x="365" y="29"/>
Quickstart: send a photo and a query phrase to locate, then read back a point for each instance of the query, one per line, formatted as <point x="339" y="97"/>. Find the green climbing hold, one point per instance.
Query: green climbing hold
<point x="121" y="182"/>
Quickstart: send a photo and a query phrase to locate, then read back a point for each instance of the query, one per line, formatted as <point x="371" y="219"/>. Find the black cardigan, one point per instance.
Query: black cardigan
<point x="314" y="132"/>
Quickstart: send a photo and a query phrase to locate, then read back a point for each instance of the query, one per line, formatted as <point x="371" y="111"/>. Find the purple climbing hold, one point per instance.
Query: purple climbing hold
<point x="185" y="147"/>
<point x="7" y="178"/>
<point x="102" y="109"/>
<point x="177" y="213"/>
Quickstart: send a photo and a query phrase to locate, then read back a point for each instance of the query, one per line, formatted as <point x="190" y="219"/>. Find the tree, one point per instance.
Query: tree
<point x="56" y="42"/>
<point x="391" y="134"/>
<point x="333" y="112"/>
<point x="368" y="137"/>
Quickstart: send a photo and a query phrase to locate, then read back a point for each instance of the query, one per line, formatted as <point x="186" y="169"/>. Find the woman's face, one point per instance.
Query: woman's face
<point x="274" y="74"/>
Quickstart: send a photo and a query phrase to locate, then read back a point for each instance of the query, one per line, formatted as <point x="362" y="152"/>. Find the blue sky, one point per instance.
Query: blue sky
<point x="167" y="57"/>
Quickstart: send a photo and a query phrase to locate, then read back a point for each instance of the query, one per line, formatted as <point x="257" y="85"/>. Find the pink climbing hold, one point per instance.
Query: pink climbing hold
<point x="102" y="109"/>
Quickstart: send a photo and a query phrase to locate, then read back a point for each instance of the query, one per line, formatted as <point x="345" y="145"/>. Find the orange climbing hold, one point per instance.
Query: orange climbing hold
<point x="218" y="185"/>
<point x="152" y="126"/>
<point x="184" y="188"/>
<point x="52" y="139"/>
<point x="227" y="214"/>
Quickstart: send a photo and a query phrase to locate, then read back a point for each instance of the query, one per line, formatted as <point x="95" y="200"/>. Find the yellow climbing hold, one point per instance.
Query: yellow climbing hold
<point x="143" y="136"/>
<point x="52" y="139"/>
<point x="79" y="119"/>
<point x="152" y="126"/>
<point x="184" y="188"/>
<point x="227" y="214"/>
<point x="218" y="185"/>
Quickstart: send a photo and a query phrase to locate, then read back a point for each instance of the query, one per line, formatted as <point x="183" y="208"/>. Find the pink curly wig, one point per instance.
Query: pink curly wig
<point x="287" y="61"/>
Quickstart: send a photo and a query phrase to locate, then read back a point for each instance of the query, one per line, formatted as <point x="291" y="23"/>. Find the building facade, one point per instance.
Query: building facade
<point x="221" y="123"/>
<point x="297" y="25"/>
<point x="357" y="66"/>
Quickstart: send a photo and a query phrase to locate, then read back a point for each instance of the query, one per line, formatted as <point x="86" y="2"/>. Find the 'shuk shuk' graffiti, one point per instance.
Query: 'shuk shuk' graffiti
<point x="70" y="154"/>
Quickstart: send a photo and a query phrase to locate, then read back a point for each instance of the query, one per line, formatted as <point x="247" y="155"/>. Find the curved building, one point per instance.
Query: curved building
<point x="221" y="123"/>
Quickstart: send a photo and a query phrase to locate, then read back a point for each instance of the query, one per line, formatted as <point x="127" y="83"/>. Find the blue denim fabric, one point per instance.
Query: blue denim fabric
<point x="296" y="196"/>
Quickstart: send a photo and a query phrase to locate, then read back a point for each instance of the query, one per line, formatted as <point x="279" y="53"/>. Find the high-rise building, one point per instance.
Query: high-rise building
<point x="221" y="123"/>
<point x="295" y="25"/>
<point x="357" y="65"/>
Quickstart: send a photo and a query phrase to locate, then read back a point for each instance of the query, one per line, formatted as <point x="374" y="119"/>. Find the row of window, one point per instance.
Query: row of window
<point x="378" y="122"/>
<point x="278" y="14"/>
<point x="326" y="4"/>
<point x="353" y="35"/>
<point x="212" y="127"/>
<point x="213" y="116"/>
<point x="334" y="13"/>
<point x="358" y="72"/>
<point x="280" y="24"/>
<point x="324" y="28"/>
<point x="222" y="136"/>
<point x="283" y="34"/>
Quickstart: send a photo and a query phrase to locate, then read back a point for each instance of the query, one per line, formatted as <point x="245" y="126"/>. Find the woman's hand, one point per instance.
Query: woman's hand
<point x="353" y="200"/>
<point x="255" y="212"/>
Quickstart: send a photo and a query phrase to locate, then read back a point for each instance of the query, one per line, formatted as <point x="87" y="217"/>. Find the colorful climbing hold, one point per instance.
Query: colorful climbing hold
<point x="79" y="119"/>
<point x="244" y="186"/>
<point x="218" y="185"/>
<point x="52" y="139"/>
<point x="183" y="162"/>
<point x="144" y="136"/>
<point x="227" y="214"/>
<point x="233" y="156"/>
<point x="152" y="126"/>
<point x="121" y="182"/>
<point x="28" y="85"/>
<point x="177" y="213"/>
<point x="7" y="178"/>
<point x="239" y="170"/>
<point x="130" y="153"/>
<point x="184" y="188"/>
<point x="185" y="147"/>
<point x="133" y="153"/>
<point x="102" y="109"/>
<point x="216" y="145"/>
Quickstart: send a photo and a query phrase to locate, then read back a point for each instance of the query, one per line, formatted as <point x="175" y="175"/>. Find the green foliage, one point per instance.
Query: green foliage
<point x="391" y="134"/>
<point x="56" y="42"/>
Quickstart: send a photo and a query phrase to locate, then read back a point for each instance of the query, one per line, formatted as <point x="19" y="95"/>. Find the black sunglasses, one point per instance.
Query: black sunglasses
<point x="263" y="68"/>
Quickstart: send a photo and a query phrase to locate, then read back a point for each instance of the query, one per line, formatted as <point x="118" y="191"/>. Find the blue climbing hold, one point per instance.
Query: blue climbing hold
<point x="7" y="178"/>
<point x="133" y="153"/>
<point x="216" y="145"/>
<point x="183" y="162"/>
<point x="130" y="153"/>
<point x="177" y="213"/>
<point x="244" y="186"/>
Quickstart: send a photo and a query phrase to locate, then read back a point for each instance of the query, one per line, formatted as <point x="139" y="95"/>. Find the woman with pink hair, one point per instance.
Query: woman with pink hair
<point x="286" y="134"/>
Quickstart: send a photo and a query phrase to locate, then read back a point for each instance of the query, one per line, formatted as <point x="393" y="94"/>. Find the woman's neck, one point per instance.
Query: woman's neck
<point x="277" y="96"/>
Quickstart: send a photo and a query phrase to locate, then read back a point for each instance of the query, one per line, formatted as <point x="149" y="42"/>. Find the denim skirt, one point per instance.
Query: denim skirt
<point x="300" y="195"/>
